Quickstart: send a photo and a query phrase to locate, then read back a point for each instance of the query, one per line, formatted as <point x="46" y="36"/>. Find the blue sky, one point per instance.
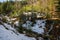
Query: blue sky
<point x="8" y="0"/>
<point x="2" y="0"/>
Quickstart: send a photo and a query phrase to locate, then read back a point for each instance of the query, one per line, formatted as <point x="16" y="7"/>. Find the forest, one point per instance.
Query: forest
<point x="31" y="19"/>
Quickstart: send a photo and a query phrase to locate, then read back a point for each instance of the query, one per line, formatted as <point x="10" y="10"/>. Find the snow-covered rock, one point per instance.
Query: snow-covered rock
<point x="37" y="27"/>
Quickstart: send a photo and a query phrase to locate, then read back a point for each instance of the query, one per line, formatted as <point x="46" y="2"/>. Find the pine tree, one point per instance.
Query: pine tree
<point x="58" y="8"/>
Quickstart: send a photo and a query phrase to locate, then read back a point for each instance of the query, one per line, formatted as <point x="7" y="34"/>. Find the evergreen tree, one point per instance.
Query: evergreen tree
<point x="58" y="8"/>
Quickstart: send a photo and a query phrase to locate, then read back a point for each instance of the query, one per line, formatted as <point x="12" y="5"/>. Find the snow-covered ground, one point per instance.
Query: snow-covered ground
<point x="37" y="27"/>
<point x="10" y="35"/>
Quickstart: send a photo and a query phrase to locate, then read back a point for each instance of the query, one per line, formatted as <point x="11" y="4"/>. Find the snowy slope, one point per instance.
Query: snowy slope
<point x="10" y="35"/>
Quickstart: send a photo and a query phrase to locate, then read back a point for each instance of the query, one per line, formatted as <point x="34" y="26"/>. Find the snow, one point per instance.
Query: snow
<point x="37" y="27"/>
<point x="13" y="18"/>
<point x="8" y="19"/>
<point x="27" y="24"/>
<point x="10" y="35"/>
<point x="38" y="30"/>
<point x="40" y="38"/>
<point x="16" y="23"/>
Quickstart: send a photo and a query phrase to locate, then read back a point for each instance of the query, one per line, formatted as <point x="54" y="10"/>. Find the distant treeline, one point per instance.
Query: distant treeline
<point x="15" y="8"/>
